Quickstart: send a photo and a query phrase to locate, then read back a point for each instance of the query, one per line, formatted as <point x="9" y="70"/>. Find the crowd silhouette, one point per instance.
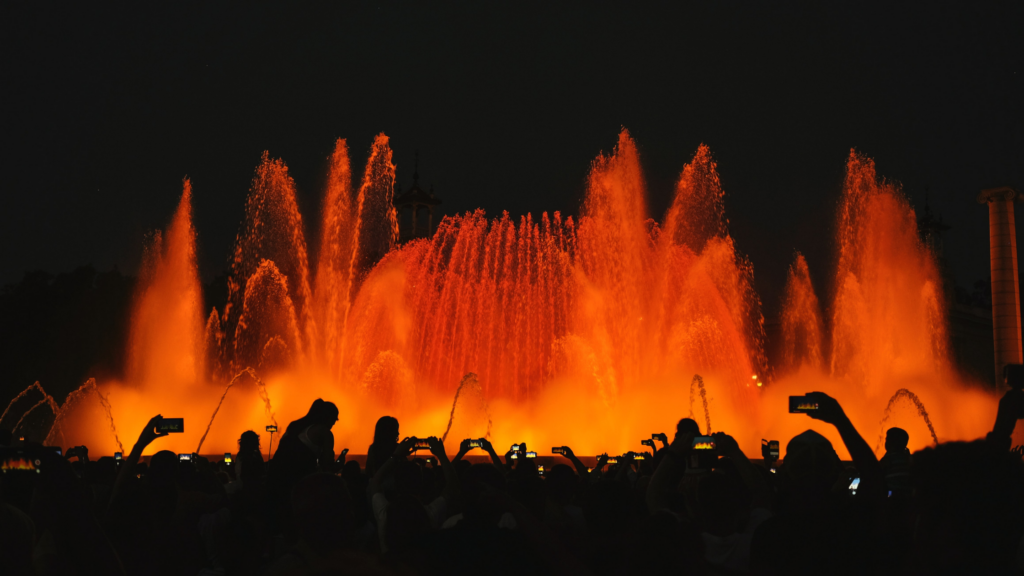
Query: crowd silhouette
<point x="689" y="505"/>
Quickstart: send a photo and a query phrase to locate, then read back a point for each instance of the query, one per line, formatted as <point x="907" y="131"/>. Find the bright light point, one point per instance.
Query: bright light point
<point x="758" y="384"/>
<point x="754" y="377"/>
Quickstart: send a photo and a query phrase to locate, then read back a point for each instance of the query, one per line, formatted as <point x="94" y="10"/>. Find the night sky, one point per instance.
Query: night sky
<point x="106" y="107"/>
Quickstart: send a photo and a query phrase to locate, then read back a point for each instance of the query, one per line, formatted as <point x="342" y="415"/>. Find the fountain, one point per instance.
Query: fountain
<point x="579" y="331"/>
<point x="698" y="384"/>
<point x="904" y="394"/>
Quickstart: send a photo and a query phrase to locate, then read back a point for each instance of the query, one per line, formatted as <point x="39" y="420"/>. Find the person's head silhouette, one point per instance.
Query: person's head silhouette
<point x="386" y="431"/>
<point x="896" y="440"/>
<point x="249" y="442"/>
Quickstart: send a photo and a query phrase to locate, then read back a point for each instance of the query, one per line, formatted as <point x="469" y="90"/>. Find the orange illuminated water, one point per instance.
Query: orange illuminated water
<point x="585" y="332"/>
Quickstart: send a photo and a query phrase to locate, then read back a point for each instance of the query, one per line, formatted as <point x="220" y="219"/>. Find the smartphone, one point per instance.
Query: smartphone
<point x="227" y="457"/>
<point x="531" y="454"/>
<point x="515" y="448"/>
<point x="703" y="443"/>
<point x="613" y="461"/>
<point x="171" y="425"/>
<point x="272" y="428"/>
<point x="854" y="485"/>
<point x="184" y="457"/>
<point x="430" y="461"/>
<point x="118" y="456"/>
<point x="540" y="469"/>
<point x="515" y="456"/>
<point x="660" y="436"/>
<point x="1013" y="375"/>
<point x="649" y="442"/>
<point x="15" y="461"/>
<point x="474" y="444"/>
<point x="801" y="405"/>
<point x="422" y="444"/>
<point x="558" y="450"/>
<point x="704" y="453"/>
<point x="55" y="449"/>
<point x="639" y="457"/>
<point x="342" y="455"/>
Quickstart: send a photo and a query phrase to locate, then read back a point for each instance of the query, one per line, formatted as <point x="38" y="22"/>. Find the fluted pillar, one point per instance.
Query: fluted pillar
<point x="1002" y="236"/>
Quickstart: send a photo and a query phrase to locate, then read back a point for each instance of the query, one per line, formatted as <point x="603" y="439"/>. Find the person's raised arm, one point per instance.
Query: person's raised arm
<point x="464" y="449"/>
<point x="759" y="489"/>
<point x="451" y="478"/>
<point x="148" y="434"/>
<point x="495" y="459"/>
<point x="863" y="456"/>
<point x="581" y="468"/>
<point x="401" y="452"/>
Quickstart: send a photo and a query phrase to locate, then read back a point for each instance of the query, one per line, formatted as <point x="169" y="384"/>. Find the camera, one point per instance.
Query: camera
<point x="769" y="450"/>
<point x="272" y="428"/>
<point x="648" y="442"/>
<point x="1013" y="375"/>
<point x="801" y="405"/>
<point x="170" y="425"/>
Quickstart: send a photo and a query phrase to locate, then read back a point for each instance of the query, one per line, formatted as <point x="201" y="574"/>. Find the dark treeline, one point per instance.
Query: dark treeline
<point x="63" y="329"/>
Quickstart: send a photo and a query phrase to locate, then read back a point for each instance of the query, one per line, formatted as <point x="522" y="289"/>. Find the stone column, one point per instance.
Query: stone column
<point x="1002" y="237"/>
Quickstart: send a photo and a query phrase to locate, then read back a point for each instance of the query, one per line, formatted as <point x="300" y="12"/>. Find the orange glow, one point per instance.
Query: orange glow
<point x="583" y="333"/>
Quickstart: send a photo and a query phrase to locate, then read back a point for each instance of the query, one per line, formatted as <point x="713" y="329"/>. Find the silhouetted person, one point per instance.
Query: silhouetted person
<point x="896" y="461"/>
<point x="306" y="446"/>
<point x="385" y="440"/>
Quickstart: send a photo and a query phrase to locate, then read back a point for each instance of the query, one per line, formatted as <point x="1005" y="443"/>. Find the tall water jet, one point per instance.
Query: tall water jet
<point x="377" y="225"/>
<point x="904" y="394"/>
<point x="271" y="230"/>
<point x="267" y="333"/>
<point x="709" y="313"/>
<point x="613" y="242"/>
<point x="802" y="326"/>
<point x="166" y="338"/>
<point x="888" y="318"/>
<point x="333" y="285"/>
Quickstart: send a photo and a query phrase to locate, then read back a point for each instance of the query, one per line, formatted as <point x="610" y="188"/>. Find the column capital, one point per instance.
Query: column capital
<point x="1000" y="193"/>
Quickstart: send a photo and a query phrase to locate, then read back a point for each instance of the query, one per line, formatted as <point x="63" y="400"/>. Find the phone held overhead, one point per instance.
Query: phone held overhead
<point x="170" y="425"/>
<point x="801" y="405"/>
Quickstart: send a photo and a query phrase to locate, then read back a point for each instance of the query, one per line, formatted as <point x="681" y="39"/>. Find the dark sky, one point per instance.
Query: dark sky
<point x="105" y="107"/>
